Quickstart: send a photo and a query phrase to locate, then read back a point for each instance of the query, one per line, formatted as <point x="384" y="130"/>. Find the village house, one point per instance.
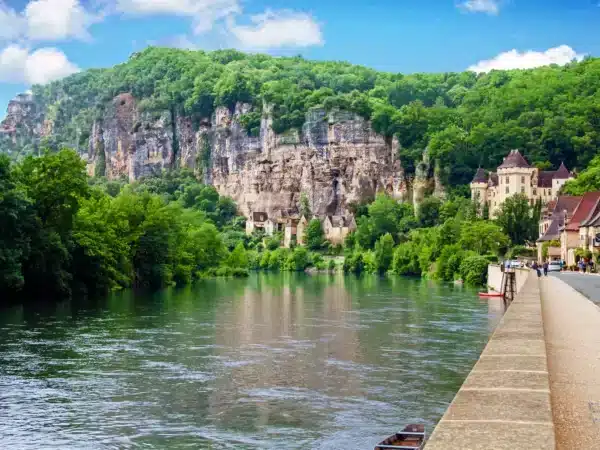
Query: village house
<point x="556" y="214"/>
<point x="337" y="228"/>
<point x="589" y="230"/>
<point x="256" y="221"/>
<point x="570" y="237"/>
<point x="516" y="176"/>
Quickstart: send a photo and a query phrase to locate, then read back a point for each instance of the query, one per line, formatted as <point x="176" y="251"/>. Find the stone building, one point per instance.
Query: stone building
<point x="337" y="228"/>
<point x="554" y="217"/>
<point x="571" y="237"/>
<point x="256" y="221"/>
<point x="589" y="230"/>
<point x="516" y="176"/>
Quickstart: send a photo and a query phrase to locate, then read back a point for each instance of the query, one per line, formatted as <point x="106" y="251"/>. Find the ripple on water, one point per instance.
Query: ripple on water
<point x="342" y="365"/>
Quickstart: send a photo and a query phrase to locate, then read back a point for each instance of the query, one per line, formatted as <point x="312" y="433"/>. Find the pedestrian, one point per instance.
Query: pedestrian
<point x="591" y="263"/>
<point x="537" y="269"/>
<point x="546" y="268"/>
<point x="581" y="265"/>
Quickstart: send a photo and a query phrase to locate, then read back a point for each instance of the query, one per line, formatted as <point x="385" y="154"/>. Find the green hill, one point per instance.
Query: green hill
<point x="552" y="113"/>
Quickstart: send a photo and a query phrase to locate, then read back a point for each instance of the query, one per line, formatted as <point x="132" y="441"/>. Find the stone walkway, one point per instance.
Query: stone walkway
<point x="572" y="334"/>
<point x="588" y="285"/>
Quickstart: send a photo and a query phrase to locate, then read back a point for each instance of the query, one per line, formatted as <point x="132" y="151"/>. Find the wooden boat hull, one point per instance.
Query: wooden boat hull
<point x="412" y="437"/>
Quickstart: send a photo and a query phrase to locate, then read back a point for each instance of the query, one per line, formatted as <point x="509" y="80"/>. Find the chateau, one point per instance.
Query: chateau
<point x="516" y="176"/>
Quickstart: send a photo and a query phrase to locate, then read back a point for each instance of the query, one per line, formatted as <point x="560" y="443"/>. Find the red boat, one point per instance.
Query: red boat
<point x="490" y="294"/>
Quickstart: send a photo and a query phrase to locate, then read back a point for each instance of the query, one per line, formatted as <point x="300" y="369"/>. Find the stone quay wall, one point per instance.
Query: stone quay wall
<point x="505" y="401"/>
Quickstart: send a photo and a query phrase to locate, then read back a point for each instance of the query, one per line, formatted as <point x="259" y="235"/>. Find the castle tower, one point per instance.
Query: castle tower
<point x="515" y="177"/>
<point x="479" y="187"/>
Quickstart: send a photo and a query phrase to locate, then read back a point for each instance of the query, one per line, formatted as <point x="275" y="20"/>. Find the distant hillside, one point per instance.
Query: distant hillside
<point x="552" y="114"/>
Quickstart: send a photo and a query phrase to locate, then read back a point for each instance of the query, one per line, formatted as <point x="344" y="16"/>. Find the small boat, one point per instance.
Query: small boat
<point x="490" y="294"/>
<point x="411" y="437"/>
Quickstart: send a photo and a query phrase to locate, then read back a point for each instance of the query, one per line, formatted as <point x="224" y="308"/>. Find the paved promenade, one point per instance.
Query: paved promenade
<point x="588" y="285"/>
<point x="572" y="334"/>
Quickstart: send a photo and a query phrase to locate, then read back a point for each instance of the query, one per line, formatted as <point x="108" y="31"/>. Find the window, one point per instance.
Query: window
<point x="523" y="190"/>
<point x="523" y="180"/>
<point x="535" y="192"/>
<point x="507" y="190"/>
<point x="507" y="180"/>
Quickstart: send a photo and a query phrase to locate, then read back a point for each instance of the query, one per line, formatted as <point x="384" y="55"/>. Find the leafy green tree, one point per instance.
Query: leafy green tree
<point x="238" y="257"/>
<point x="305" y="206"/>
<point x="16" y="222"/>
<point x="483" y="237"/>
<point x="429" y="212"/>
<point x="384" y="253"/>
<point x="314" y="235"/>
<point x="518" y="219"/>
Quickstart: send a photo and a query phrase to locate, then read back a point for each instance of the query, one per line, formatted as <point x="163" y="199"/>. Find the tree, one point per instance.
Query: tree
<point x="483" y="238"/>
<point x="314" y="235"/>
<point x="16" y="221"/>
<point x="518" y="219"/>
<point x="384" y="253"/>
<point x="238" y="257"/>
<point x="429" y="212"/>
<point x="305" y="206"/>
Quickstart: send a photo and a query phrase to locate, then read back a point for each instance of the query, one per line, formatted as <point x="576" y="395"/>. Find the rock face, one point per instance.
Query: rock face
<point x="127" y="142"/>
<point x="335" y="160"/>
<point x="22" y="119"/>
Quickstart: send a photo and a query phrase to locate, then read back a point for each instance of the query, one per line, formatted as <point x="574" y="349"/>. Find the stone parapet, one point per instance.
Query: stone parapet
<point x="505" y="401"/>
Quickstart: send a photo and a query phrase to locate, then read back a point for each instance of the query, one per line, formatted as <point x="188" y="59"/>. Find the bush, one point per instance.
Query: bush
<point x="370" y="261"/>
<point x="298" y="260"/>
<point x="406" y="260"/>
<point x="473" y="270"/>
<point x="354" y="263"/>
<point x="332" y="265"/>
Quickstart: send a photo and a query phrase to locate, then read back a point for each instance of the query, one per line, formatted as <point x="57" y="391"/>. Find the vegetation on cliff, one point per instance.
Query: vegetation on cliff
<point x="465" y="119"/>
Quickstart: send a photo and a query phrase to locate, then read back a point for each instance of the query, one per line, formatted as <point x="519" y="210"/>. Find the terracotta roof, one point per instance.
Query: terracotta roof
<point x="514" y="159"/>
<point x="593" y="213"/>
<point x="545" y="178"/>
<point x="567" y="203"/>
<point x="562" y="173"/>
<point x="583" y="210"/>
<point x="480" y="176"/>
<point x="493" y="179"/>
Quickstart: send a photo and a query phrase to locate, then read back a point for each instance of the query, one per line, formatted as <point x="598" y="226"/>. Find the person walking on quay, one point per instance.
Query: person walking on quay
<point x="537" y="269"/>
<point x="581" y="265"/>
<point x="546" y="268"/>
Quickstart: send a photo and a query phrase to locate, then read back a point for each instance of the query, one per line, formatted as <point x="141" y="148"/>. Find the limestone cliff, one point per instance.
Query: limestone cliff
<point x="335" y="159"/>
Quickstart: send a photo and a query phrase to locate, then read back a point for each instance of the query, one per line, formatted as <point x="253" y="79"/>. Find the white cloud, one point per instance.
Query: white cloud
<point x="18" y="65"/>
<point x="11" y="24"/>
<point x="203" y="12"/>
<point x="528" y="60"/>
<point x="491" y="7"/>
<point x="52" y="20"/>
<point x="277" y="29"/>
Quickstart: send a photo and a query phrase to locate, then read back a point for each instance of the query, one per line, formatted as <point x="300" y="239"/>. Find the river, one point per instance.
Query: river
<point x="272" y="361"/>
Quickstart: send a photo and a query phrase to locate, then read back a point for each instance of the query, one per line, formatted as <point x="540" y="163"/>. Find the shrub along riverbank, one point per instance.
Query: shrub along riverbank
<point x="64" y="233"/>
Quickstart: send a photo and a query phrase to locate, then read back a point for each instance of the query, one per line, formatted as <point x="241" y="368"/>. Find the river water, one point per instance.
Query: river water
<point x="273" y="361"/>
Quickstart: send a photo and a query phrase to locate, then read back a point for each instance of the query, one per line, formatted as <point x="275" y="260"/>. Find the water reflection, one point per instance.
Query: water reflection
<point x="307" y="362"/>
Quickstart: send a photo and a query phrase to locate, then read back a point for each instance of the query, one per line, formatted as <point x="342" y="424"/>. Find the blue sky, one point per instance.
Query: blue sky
<point x="42" y="40"/>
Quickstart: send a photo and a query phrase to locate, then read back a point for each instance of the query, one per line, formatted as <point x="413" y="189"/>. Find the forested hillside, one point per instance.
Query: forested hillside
<point x="552" y="113"/>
